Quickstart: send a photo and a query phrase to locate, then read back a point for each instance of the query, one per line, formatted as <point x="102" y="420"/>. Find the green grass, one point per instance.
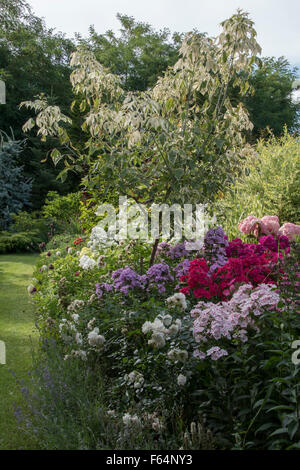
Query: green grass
<point x="18" y="332"/>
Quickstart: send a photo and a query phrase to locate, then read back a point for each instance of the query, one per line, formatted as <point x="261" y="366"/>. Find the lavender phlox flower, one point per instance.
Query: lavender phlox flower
<point x="182" y="268"/>
<point x="215" y="353"/>
<point x="104" y="287"/>
<point x="178" y="251"/>
<point x="125" y="279"/>
<point x="215" y="244"/>
<point x="173" y="251"/>
<point x="232" y="319"/>
<point x="158" y="275"/>
<point x="163" y="248"/>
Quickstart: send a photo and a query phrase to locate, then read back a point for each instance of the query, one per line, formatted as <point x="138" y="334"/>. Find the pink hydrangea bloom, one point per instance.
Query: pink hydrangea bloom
<point x="289" y="230"/>
<point x="253" y="225"/>
<point x="271" y="222"/>
<point x="246" y="226"/>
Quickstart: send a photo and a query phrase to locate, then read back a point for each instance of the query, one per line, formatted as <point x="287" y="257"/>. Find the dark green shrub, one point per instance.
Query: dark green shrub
<point x="25" y="233"/>
<point x="18" y="242"/>
<point x="25" y="221"/>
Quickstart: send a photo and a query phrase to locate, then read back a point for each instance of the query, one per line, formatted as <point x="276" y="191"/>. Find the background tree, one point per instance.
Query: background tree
<point x="138" y="55"/>
<point x="15" y="189"/>
<point x="33" y="59"/>
<point x="271" y="105"/>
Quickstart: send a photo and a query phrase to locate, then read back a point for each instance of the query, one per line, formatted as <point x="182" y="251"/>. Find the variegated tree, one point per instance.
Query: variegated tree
<point x="174" y="143"/>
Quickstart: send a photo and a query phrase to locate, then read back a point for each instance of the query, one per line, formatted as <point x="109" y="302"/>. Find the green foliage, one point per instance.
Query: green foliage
<point x="14" y="188"/>
<point x="88" y="217"/>
<point x="63" y="210"/>
<point x="160" y="145"/>
<point x="28" y="49"/>
<point x="19" y="242"/>
<point x="268" y="184"/>
<point x="90" y="201"/>
<point x="68" y="409"/>
<point x="26" y="232"/>
<point x="33" y="59"/>
<point x="31" y="231"/>
<point x="61" y="242"/>
<point x="25" y="221"/>
<point x="271" y="104"/>
<point x="41" y="169"/>
<point x="138" y="55"/>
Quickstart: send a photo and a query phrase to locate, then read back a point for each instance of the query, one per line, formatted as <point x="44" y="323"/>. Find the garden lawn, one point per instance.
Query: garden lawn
<point x="18" y="332"/>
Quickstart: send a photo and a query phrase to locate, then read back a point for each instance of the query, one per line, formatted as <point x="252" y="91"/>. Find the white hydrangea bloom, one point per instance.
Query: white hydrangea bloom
<point x="181" y="380"/>
<point x="75" y="317"/>
<point x="75" y="305"/>
<point x="78" y="338"/>
<point x="81" y="354"/>
<point x="86" y="262"/>
<point x="135" y="378"/>
<point x="147" y="327"/>
<point x="95" y="339"/>
<point x="178" y="355"/>
<point x="177" y="299"/>
<point x="158" y="326"/>
<point x="129" y="420"/>
<point x="157" y="340"/>
<point x="159" y="330"/>
<point x="91" y="323"/>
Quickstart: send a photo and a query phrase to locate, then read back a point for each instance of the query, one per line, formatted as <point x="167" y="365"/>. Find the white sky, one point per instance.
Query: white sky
<point x="277" y="22"/>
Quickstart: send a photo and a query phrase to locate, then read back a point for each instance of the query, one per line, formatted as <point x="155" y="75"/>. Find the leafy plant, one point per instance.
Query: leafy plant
<point x="176" y="141"/>
<point x="14" y="188"/>
<point x="63" y="210"/>
<point x="267" y="183"/>
<point x="19" y="242"/>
